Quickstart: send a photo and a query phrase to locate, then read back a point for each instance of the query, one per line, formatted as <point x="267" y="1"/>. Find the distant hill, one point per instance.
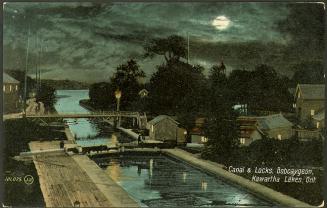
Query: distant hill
<point x="66" y="84"/>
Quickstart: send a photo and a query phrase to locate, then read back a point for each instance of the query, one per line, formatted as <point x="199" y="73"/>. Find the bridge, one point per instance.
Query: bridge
<point x="100" y="114"/>
<point x="140" y="119"/>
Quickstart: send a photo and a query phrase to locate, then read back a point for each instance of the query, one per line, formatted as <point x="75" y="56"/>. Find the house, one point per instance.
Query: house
<point x="10" y="94"/>
<point x="197" y="134"/>
<point x="309" y="99"/>
<point x="163" y="128"/>
<point x="143" y="93"/>
<point x="253" y="128"/>
<point x="318" y="120"/>
<point x="275" y="126"/>
<point x="248" y="130"/>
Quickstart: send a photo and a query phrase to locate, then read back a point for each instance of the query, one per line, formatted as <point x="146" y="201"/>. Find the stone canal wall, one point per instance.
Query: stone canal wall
<point x="253" y="187"/>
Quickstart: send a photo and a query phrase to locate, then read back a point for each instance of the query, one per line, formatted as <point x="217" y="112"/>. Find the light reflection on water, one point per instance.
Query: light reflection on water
<point x="158" y="181"/>
<point x="88" y="132"/>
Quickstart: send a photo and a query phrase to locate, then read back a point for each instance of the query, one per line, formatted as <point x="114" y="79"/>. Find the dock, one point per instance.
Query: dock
<point x="75" y="180"/>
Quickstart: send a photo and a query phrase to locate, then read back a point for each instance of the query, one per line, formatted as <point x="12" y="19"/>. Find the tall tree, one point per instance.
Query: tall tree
<point x="127" y="79"/>
<point x="172" y="48"/>
<point x="220" y="125"/>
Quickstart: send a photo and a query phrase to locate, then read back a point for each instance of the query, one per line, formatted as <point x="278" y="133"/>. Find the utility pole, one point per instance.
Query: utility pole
<point x="40" y="59"/>
<point x="36" y="67"/>
<point x="188" y="48"/>
<point x="26" y="65"/>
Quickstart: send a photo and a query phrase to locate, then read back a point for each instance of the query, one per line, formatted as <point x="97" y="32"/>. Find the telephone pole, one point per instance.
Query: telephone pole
<point x="26" y="66"/>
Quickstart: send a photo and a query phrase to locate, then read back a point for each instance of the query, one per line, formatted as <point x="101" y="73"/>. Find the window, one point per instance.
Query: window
<point x="318" y="125"/>
<point x="4" y="88"/>
<point x="9" y="88"/>
<point x="152" y="128"/>
<point x="312" y="112"/>
<point x="294" y="105"/>
<point x="16" y="87"/>
<point x="242" y="140"/>
<point x="279" y="137"/>
<point x="204" y="139"/>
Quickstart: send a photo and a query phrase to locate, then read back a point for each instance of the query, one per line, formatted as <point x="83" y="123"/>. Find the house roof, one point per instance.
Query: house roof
<point x="143" y="91"/>
<point x="273" y="121"/>
<point x="311" y="91"/>
<point x="319" y="116"/>
<point x="9" y="79"/>
<point x="160" y="118"/>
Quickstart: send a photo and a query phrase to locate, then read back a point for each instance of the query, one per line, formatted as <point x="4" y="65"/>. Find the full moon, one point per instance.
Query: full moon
<point x="221" y="22"/>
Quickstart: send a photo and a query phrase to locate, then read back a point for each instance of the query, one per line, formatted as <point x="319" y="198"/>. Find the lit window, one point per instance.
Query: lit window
<point x="152" y="128"/>
<point x="242" y="140"/>
<point x="4" y="88"/>
<point x="294" y="105"/>
<point x="204" y="139"/>
<point x="16" y="87"/>
<point x="9" y="88"/>
<point x="312" y="112"/>
<point x="279" y="136"/>
<point x="318" y="125"/>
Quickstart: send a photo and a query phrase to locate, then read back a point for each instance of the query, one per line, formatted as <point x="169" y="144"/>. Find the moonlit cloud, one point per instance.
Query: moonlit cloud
<point x="81" y="39"/>
<point x="221" y="22"/>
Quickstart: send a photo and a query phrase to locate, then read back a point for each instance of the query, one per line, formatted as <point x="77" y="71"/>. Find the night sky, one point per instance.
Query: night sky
<point x="87" y="41"/>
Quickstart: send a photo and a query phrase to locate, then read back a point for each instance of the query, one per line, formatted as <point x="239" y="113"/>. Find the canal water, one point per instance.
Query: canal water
<point x="152" y="180"/>
<point x="87" y="132"/>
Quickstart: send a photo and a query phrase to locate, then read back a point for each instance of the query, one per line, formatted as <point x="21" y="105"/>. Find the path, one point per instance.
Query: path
<point x="65" y="180"/>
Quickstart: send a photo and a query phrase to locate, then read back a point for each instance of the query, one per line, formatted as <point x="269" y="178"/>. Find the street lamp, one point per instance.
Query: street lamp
<point x="118" y="96"/>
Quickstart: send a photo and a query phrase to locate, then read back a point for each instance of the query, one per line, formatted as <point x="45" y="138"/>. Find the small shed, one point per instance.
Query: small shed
<point x="163" y="128"/>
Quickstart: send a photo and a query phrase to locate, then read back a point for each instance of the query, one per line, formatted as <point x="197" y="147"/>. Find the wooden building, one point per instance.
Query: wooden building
<point x="318" y="120"/>
<point x="10" y="94"/>
<point x="253" y="128"/>
<point x="309" y="99"/>
<point x="275" y="126"/>
<point x="164" y="128"/>
<point x="248" y="130"/>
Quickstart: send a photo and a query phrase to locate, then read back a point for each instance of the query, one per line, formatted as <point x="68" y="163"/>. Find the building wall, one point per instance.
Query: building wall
<point x="255" y="135"/>
<point x="196" y="138"/>
<point x="320" y="125"/>
<point x="181" y="137"/>
<point x="10" y="98"/>
<point x="164" y="130"/>
<point x="304" y="107"/>
<point x="285" y="133"/>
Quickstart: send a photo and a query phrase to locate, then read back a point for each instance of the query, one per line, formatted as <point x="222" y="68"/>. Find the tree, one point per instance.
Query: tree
<point x="172" y="87"/>
<point x="308" y="73"/>
<point x="172" y="48"/>
<point x="221" y="126"/>
<point x="127" y="79"/>
<point x="101" y="95"/>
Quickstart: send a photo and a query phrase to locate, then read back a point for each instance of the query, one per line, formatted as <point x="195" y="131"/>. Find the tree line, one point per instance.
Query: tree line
<point x="180" y="89"/>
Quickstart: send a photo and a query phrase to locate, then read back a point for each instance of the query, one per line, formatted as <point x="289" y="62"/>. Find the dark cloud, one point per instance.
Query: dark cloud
<point x="84" y="39"/>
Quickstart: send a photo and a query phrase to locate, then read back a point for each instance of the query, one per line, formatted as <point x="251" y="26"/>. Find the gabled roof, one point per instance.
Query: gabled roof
<point x="8" y="79"/>
<point x="272" y="122"/>
<point x="311" y="91"/>
<point x="319" y="116"/>
<point x="160" y="118"/>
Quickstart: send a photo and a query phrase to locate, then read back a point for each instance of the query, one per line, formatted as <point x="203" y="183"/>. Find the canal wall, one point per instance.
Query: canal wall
<point x="253" y="187"/>
<point x="75" y="180"/>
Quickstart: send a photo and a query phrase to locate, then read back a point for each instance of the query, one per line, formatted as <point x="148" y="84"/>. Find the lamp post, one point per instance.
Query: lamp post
<point x="118" y="96"/>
